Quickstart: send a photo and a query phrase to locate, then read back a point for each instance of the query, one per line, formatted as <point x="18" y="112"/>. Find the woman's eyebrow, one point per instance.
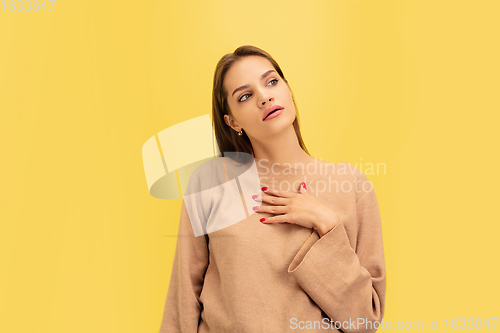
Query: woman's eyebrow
<point x="247" y="85"/>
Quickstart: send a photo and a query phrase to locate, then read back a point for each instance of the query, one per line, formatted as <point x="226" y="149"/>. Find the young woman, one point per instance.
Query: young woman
<point x="309" y="257"/>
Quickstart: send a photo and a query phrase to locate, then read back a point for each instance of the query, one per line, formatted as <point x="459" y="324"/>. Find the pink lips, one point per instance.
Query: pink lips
<point x="271" y="109"/>
<point x="274" y="114"/>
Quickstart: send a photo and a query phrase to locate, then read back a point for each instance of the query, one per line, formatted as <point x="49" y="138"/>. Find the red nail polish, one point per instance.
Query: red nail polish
<point x="264" y="188"/>
<point x="255" y="196"/>
<point x="255" y="207"/>
<point x="262" y="219"/>
<point x="304" y="185"/>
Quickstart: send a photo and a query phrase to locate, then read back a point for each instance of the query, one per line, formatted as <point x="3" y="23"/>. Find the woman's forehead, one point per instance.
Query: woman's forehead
<point x="245" y="70"/>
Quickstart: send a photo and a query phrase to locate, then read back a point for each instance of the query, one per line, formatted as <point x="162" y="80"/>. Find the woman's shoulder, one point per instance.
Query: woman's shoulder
<point x="215" y="171"/>
<point x="203" y="175"/>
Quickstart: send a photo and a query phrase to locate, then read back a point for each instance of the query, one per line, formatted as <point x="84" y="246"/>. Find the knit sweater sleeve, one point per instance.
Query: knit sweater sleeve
<point x="182" y="306"/>
<point x="347" y="284"/>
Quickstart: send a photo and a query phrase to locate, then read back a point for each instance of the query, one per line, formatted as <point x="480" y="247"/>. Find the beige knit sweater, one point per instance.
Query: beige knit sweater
<point x="234" y="274"/>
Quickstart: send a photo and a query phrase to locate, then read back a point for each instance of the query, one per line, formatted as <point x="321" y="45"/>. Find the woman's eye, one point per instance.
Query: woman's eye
<point x="242" y="100"/>
<point x="274" y="80"/>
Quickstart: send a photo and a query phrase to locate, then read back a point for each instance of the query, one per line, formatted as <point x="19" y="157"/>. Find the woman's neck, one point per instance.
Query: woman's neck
<point x="281" y="148"/>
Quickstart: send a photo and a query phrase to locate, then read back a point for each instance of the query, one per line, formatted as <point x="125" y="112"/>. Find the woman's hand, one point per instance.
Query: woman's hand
<point x="297" y="208"/>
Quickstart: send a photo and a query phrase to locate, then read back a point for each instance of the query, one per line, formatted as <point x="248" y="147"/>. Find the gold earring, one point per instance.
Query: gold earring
<point x="240" y="133"/>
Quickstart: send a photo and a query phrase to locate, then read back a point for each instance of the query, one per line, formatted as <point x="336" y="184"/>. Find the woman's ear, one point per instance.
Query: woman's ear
<point x="231" y="122"/>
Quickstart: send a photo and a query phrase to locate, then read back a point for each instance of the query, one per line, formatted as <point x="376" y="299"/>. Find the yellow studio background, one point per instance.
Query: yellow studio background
<point x="414" y="84"/>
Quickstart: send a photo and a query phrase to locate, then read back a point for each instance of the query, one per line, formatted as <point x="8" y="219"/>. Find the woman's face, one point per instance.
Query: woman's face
<point x="252" y="86"/>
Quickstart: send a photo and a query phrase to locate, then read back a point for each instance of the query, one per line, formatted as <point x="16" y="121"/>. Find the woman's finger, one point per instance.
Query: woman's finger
<point x="275" y="219"/>
<point x="273" y="200"/>
<point x="271" y="209"/>
<point x="278" y="193"/>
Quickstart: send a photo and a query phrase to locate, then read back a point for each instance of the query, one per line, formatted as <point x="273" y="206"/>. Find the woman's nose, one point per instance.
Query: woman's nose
<point x="265" y="99"/>
<point x="263" y="95"/>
